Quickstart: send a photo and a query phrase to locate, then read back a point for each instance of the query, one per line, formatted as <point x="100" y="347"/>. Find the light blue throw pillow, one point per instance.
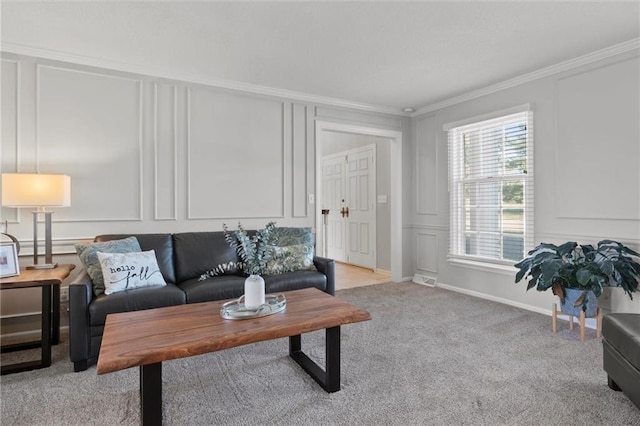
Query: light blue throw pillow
<point x="88" y="254"/>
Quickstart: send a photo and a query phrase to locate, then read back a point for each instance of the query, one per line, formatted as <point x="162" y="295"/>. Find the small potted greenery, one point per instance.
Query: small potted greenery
<point x="577" y="273"/>
<point x="254" y="252"/>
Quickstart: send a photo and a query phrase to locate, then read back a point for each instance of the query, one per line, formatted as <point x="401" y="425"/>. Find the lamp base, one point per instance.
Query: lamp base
<point x="43" y="266"/>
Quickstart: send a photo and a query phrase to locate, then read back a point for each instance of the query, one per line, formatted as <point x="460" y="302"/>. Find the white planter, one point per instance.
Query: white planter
<point x="254" y="291"/>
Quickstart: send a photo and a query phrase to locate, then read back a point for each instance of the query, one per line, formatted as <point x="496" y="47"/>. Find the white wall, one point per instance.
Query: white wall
<point x="154" y="155"/>
<point x="587" y="173"/>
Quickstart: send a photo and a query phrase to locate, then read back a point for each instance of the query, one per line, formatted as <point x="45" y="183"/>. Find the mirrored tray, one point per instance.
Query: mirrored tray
<point x="235" y="309"/>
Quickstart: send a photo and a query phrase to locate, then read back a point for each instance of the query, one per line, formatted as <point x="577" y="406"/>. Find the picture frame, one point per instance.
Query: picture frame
<point x="8" y="260"/>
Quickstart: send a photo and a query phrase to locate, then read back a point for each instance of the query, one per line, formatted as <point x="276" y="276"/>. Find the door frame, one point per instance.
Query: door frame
<point x="396" y="183"/>
<point x="374" y="181"/>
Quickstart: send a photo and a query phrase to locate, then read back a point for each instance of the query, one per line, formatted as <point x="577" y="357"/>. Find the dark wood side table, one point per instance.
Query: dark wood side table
<point x="49" y="280"/>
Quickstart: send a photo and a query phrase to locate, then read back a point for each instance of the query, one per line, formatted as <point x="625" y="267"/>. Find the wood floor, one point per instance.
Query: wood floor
<point x="349" y="276"/>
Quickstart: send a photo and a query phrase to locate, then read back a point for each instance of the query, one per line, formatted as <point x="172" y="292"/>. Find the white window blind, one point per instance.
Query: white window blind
<point x="491" y="188"/>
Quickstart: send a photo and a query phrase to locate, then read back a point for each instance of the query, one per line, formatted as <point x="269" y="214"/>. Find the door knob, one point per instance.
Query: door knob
<point x="345" y="212"/>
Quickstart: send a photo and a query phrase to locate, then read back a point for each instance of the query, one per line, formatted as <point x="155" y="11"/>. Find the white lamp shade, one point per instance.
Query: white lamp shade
<point x="36" y="190"/>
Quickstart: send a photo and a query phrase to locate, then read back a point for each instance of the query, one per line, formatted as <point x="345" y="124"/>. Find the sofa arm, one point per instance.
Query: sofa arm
<point x="327" y="267"/>
<point x="80" y="296"/>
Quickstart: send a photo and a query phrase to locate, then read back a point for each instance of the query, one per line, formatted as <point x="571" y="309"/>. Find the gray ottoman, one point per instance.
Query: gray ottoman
<point x="621" y="357"/>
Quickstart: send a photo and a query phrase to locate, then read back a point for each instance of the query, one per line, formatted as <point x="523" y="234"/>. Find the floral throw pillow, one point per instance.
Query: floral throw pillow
<point x="291" y="258"/>
<point x="283" y="237"/>
<point x="88" y="254"/>
<point x="126" y="271"/>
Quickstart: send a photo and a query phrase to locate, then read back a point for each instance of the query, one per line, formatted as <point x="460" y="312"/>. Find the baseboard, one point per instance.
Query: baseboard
<point x="589" y="323"/>
<point x="21" y="315"/>
<point x="23" y="335"/>
<point x="27" y="325"/>
<point x="30" y="334"/>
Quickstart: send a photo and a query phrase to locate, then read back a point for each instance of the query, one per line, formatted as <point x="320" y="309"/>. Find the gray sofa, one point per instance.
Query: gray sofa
<point x="621" y="357"/>
<point x="182" y="259"/>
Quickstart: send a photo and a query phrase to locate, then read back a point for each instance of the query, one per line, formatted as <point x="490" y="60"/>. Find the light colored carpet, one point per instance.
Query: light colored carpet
<point x="428" y="357"/>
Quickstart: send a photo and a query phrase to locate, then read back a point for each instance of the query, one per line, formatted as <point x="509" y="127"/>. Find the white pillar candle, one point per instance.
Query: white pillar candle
<point x="253" y="292"/>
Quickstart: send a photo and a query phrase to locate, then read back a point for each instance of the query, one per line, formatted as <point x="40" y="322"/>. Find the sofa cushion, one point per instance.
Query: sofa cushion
<point x="134" y="300"/>
<point x="199" y="252"/>
<point x="126" y="271"/>
<point x="162" y="244"/>
<point x="88" y="254"/>
<point x="622" y="331"/>
<point x="294" y="281"/>
<point x="213" y="288"/>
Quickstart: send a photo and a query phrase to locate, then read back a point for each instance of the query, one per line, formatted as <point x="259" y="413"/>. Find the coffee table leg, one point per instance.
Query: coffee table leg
<point x="329" y="378"/>
<point x="295" y="344"/>
<point x="151" y="394"/>
<point x="333" y="359"/>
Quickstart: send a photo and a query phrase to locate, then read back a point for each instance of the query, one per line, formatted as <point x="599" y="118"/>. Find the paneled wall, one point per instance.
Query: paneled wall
<point x="587" y="174"/>
<point x="89" y="125"/>
<point x="147" y="154"/>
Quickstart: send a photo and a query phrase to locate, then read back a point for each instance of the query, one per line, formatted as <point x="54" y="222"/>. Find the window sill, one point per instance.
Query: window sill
<point x="479" y="265"/>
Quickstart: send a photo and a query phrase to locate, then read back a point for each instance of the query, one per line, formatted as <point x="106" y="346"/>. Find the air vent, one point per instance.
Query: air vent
<point x="424" y="280"/>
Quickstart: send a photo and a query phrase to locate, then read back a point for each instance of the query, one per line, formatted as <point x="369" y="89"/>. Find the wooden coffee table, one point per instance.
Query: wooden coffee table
<point x="146" y="338"/>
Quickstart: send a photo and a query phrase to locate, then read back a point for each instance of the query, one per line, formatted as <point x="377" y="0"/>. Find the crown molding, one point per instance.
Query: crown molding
<point x="535" y="75"/>
<point x="55" y="55"/>
<point x="20" y="49"/>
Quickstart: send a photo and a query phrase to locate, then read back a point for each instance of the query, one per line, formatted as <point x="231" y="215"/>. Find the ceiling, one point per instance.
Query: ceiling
<point x="386" y="54"/>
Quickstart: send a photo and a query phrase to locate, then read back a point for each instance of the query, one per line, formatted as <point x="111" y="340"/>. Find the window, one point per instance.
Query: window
<point x="491" y="188"/>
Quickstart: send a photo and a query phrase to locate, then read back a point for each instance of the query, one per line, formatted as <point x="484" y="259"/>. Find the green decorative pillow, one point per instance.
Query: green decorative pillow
<point x="88" y="254"/>
<point x="293" y="250"/>
<point x="297" y="257"/>
<point x="283" y="237"/>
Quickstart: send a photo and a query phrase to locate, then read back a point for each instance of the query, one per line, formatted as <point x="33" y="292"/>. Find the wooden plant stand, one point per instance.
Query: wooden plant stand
<point x="598" y="317"/>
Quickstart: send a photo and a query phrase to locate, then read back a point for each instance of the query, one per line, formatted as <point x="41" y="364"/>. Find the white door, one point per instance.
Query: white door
<point x="333" y="175"/>
<point x="348" y="192"/>
<point x="361" y="216"/>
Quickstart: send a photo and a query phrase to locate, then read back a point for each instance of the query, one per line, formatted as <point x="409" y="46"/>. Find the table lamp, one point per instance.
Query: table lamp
<point x="40" y="191"/>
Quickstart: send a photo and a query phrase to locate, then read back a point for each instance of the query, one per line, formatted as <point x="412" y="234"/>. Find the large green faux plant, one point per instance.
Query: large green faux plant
<point x="255" y="251"/>
<point x="611" y="264"/>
